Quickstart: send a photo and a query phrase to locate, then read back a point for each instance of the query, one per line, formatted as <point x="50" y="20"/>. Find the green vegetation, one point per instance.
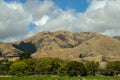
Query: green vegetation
<point x="48" y="65"/>
<point x="58" y="78"/>
<point x="54" y="66"/>
<point x="92" y="67"/>
<point x="112" y="68"/>
<point x="74" y="68"/>
<point x="25" y="55"/>
<point x="18" y="68"/>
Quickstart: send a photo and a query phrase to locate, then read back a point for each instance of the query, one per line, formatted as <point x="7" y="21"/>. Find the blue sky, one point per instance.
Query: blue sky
<point x="77" y="5"/>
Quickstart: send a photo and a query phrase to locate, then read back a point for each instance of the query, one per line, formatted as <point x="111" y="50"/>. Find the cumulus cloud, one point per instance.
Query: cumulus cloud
<point x="13" y="21"/>
<point x="102" y="16"/>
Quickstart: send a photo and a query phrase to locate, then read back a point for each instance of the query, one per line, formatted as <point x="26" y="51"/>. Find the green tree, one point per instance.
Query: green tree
<point x="56" y="64"/>
<point x="31" y="65"/>
<point x="48" y="65"/>
<point x="62" y="70"/>
<point x="4" y="68"/>
<point x="18" y="68"/>
<point x="44" y="66"/>
<point x="106" y="72"/>
<point x="25" y="55"/>
<point x="74" y="68"/>
<point x="92" y="67"/>
<point x="113" y="67"/>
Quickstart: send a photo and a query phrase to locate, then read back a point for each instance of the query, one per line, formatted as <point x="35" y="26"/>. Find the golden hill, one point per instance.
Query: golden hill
<point x="67" y="45"/>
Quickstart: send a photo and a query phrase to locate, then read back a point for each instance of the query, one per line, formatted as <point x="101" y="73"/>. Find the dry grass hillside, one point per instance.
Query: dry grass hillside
<point x="68" y="45"/>
<point x="8" y="49"/>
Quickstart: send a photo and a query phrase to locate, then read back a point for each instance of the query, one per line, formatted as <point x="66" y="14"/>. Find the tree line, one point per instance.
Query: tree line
<point x="56" y="66"/>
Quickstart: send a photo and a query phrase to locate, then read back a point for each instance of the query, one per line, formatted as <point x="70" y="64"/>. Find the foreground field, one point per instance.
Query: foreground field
<point x="59" y="78"/>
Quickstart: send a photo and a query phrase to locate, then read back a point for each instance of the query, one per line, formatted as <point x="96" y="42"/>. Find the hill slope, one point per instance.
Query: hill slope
<point x="68" y="45"/>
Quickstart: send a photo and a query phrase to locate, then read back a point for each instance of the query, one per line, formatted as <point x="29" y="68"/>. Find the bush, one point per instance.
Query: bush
<point x="18" y="68"/>
<point x="112" y="68"/>
<point x="75" y="68"/>
<point x="92" y="67"/>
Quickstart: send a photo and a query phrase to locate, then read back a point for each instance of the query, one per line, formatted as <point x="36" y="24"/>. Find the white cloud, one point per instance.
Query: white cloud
<point x="13" y="21"/>
<point x="102" y="16"/>
<point x="95" y="5"/>
<point x="105" y="18"/>
<point x="42" y="21"/>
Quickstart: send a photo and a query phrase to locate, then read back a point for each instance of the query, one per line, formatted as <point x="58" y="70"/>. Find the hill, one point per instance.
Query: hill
<point x="67" y="45"/>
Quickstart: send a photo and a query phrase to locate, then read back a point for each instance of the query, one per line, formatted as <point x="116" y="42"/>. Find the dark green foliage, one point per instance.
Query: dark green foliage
<point x="62" y="71"/>
<point x="4" y="68"/>
<point x="92" y="67"/>
<point x="25" y="55"/>
<point x="75" y="68"/>
<point x="56" y="66"/>
<point x="113" y="68"/>
<point x="31" y="66"/>
<point x="106" y="72"/>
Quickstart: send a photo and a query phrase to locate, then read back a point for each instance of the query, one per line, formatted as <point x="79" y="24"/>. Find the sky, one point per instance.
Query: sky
<point x="23" y="18"/>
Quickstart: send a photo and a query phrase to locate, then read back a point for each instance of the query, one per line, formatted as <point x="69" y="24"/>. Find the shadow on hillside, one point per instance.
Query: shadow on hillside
<point x="28" y="46"/>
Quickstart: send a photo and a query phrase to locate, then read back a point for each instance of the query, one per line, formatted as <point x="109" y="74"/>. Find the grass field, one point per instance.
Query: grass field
<point x="59" y="78"/>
